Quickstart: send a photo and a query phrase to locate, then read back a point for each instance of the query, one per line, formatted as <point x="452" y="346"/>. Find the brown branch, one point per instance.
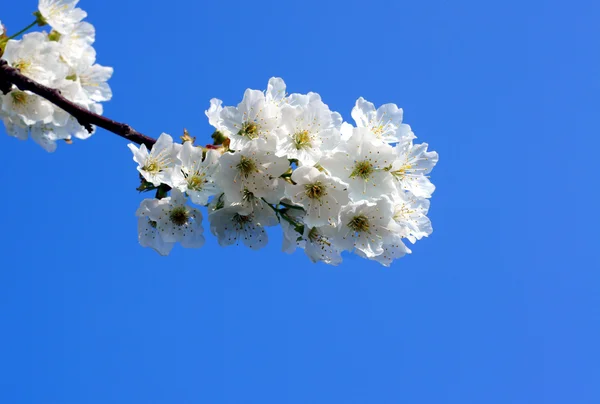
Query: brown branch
<point x="10" y="76"/>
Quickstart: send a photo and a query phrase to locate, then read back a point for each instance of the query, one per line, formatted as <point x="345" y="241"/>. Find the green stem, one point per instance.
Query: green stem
<point x="27" y="28"/>
<point x="271" y="206"/>
<point x="298" y="227"/>
<point x="290" y="206"/>
<point x="282" y="215"/>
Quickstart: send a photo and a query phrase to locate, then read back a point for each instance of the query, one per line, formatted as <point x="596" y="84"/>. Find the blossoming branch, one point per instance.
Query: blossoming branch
<point x="276" y="158"/>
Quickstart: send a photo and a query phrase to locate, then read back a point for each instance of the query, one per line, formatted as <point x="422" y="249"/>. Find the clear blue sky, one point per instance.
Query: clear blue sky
<point x="501" y="305"/>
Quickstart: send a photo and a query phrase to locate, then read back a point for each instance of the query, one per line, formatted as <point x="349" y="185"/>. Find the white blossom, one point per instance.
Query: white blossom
<point x="385" y="122"/>
<point x="362" y="162"/>
<point x="289" y="161"/>
<point x="276" y="91"/>
<point x="320" y="245"/>
<point x="254" y="169"/>
<point x="62" y="15"/>
<point x="366" y="226"/>
<point x="308" y="132"/>
<point x="411" y="166"/>
<point x="74" y="44"/>
<point x="256" y="117"/>
<point x="148" y="235"/>
<point x="176" y="222"/>
<point x="63" y="59"/>
<point x="321" y="195"/>
<point x="195" y="175"/>
<point x="317" y="242"/>
<point x="410" y="213"/>
<point x="36" y="57"/>
<point x="236" y="222"/>
<point x="393" y="249"/>
<point x="26" y="107"/>
<point x="214" y="116"/>
<point x="157" y="165"/>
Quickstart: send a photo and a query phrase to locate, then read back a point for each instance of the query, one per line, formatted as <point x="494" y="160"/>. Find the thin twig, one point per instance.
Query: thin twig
<point x="10" y="75"/>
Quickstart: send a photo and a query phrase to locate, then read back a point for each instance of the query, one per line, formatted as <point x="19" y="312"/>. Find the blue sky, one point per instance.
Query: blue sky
<point x="499" y="305"/>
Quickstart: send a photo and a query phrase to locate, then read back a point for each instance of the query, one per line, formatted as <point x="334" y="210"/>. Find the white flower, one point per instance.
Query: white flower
<point x="74" y="44"/>
<point x="262" y="210"/>
<point x="148" y="235"/>
<point x="36" y="57"/>
<point x="393" y="249"/>
<point x="366" y="226"/>
<point x="410" y="213"/>
<point x="276" y="91"/>
<point x="65" y="62"/>
<point x="214" y="116"/>
<point x="234" y="222"/>
<point x="61" y="14"/>
<point x="1" y="29"/>
<point x="362" y="162"/>
<point x="92" y="77"/>
<point x="321" y="196"/>
<point x="15" y="127"/>
<point x="195" y="176"/>
<point x="308" y="132"/>
<point x="176" y="221"/>
<point x="46" y="135"/>
<point x="157" y="165"/>
<point x="27" y="107"/>
<point x="302" y="100"/>
<point x="254" y="118"/>
<point x="385" y="122"/>
<point x="254" y="169"/>
<point x="43" y="134"/>
<point x="319" y="245"/>
<point x="411" y="166"/>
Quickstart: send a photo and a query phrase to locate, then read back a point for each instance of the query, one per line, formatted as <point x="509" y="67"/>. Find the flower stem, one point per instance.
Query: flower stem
<point x="282" y="215"/>
<point x="291" y="206"/>
<point x="24" y="30"/>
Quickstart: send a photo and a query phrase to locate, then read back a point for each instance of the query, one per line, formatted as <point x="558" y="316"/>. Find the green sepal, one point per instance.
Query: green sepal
<point x="39" y="19"/>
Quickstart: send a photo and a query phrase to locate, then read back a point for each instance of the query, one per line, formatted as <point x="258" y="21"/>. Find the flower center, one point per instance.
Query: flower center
<point x="377" y="130"/>
<point x="359" y="224"/>
<point x="196" y="182"/>
<point x="19" y="97"/>
<point x="362" y="169"/>
<point x="179" y="215"/>
<point x="302" y="140"/>
<point x="241" y="220"/>
<point x="315" y="191"/>
<point x="22" y="65"/>
<point x="249" y="130"/>
<point x="246" y="166"/>
<point x="152" y="166"/>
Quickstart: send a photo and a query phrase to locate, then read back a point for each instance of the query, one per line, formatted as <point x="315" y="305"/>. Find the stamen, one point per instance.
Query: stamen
<point x="362" y="169"/>
<point x="179" y="215"/>
<point x="359" y="224"/>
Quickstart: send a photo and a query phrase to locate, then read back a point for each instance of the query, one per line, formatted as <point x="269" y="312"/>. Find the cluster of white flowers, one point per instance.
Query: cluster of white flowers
<point x="63" y="59"/>
<point x="289" y="160"/>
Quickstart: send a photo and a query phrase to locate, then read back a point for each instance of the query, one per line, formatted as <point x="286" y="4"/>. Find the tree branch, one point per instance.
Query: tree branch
<point x="10" y="76"/>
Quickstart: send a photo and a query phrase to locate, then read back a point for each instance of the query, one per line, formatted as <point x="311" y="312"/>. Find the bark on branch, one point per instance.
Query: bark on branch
<point x="10" y="75"/>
